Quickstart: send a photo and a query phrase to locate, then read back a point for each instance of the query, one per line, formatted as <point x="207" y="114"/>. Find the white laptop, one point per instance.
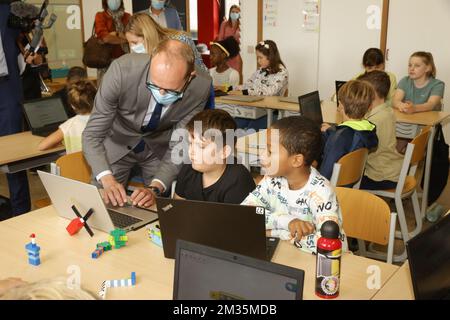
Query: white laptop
<point x="65" y="193"/>
<point x="242" y="98"/>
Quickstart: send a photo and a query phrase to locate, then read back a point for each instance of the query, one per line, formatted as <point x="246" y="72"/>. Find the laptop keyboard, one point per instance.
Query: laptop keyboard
<point x="121" y="220"/>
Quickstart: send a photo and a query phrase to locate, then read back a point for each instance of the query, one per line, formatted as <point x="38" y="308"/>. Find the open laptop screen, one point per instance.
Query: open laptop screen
<point x="205" y="273"/>
<point x="310" y="107"/>
<point x="429" y="261"/>
<point x="44" y="112"/>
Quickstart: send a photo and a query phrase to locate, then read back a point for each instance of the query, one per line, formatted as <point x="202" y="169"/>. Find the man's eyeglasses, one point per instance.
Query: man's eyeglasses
<point x="152" y="86"/>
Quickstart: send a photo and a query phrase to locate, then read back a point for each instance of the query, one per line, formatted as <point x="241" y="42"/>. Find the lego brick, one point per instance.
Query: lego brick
<point x="74" y="226"/>
<point x="30" y="247"/>
<point x="105" y="245"/>
<point x="34" y="262"/>
<point x="133" y="278"/>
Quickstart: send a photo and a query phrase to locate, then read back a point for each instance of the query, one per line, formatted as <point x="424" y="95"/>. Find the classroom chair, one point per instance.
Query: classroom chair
<point x="349" y="169"/>
<point x="407" y="187"/>
<point x="367" y="217"/>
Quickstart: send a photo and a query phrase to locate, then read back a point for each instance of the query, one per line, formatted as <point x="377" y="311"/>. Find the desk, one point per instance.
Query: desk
<point x="19" y="152"/>
<point x="398" y="287"/>
<point x="59" y="83"/>
<point x="154" y="272"/>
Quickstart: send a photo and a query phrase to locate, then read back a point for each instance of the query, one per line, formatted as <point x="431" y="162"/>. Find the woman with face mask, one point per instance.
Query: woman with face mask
<point x="110" y="26"/>
<point x="164" y="14"/>
<point x="231" y="28"/>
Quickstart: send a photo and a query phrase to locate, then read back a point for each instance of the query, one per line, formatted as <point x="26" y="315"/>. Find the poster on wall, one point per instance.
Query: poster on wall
<point x="270" y="13"/>
<point x="311" y="15"/>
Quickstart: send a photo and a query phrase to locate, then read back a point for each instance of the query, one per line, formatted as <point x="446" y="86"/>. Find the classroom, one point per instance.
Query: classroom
<point x="224" y="150"/>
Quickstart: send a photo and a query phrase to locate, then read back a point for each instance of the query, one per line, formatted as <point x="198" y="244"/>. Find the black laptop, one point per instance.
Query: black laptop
<point x="230" y="227"/>
<point x="44" y="115"/>
<point x="205" y="273"/>
<point x="429" y="262"/>
<point x="310" y="107"/>
<point x="338" y="85"/>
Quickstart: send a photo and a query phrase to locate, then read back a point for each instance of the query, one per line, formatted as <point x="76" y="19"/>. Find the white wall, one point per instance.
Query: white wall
<point x="405" y="37"/>
<point x="299" y="49"/>
<point x="90" y="8"/>
<point x="249" y="36"/>
<point x="344" y="37"/>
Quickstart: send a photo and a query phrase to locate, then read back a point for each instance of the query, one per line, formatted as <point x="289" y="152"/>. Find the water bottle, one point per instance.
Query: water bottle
<point x="328" y="261"/>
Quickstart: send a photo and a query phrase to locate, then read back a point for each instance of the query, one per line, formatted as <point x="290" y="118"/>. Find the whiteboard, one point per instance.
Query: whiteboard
<point x="347" y="29"/>
<point x="298" y="47"/>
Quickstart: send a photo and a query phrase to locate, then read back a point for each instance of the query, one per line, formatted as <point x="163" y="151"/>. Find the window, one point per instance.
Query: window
<point x="64" y="40"/>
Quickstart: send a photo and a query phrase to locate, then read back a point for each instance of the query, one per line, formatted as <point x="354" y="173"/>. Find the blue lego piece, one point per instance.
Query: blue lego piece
<point x="32" y="248"/>
<point x="133" y="278"/>
<point x="34" y="261"/>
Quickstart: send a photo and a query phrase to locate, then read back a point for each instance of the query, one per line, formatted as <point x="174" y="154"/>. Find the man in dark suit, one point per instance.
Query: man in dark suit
<point x="140" y="103"/>
<point x="11" y="109"/>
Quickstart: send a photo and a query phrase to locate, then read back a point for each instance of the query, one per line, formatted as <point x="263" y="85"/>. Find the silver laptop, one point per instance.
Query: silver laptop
<point x="65" y="193"/>
<point x="288" y="99"/>
<point x="242" y="98"/>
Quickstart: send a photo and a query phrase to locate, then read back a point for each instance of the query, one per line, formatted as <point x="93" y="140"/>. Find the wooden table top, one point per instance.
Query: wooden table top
<point x="155" y="274"/>
<point x="22" y="146"/>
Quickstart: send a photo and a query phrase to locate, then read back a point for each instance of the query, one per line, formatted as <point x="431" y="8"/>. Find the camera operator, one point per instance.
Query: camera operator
<point x="10" y="108"/>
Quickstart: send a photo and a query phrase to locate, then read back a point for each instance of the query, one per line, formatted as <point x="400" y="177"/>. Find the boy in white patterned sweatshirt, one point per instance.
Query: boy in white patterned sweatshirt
<point x="297" y="199"/>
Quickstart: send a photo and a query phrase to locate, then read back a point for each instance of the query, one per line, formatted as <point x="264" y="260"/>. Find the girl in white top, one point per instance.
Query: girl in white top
<point x="224" y="76"/>
<point x="81" y="98"/>
<point x="271" y="79"/>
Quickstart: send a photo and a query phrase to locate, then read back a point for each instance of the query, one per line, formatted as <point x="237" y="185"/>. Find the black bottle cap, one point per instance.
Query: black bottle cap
<point x="330" y="230"/>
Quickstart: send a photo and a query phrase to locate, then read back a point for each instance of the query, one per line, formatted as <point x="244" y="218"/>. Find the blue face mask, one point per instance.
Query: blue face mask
<point x="166" y="99"/>
<point x="158" y="5"/>
<point x="234" y="16"/>
<point x="138" y="48"/>
<point x="113" y="5"/>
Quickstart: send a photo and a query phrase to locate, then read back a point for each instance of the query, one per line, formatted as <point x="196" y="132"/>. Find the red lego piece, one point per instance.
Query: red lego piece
<point x="74" y="226"/>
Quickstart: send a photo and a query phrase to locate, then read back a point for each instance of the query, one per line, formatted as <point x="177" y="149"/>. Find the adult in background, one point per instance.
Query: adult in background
<point x="110" y="26"/>
<point x="164" y="14"/>
<point x="140" y="103"/>
<point x="10" y="107"/>
<point x="231" y="28"/>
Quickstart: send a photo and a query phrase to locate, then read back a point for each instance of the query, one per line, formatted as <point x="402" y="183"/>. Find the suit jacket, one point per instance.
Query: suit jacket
<point x="121" y="104"/>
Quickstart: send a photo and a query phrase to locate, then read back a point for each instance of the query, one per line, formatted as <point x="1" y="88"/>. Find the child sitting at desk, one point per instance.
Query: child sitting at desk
<point x="221" y="52"/>
<point x="383" y="165"/>
<point x="373" y="59"/>
<point x="420" y="90"/>
<point x="271" y="79"/>
<point x="81" y="98"/>
<point x="297" y="199"/>
<point x="355" y="98"/>
<point x="211" y="177"/>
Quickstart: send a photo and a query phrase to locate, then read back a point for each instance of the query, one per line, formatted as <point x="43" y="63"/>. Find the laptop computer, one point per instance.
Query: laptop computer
<point x="231" y="227"/>
<point x="242" y="98"/>
<point x="310" y="107"/>
<point x="429" y="261"/>
<point x="45" y="115"/>
<point x="338" y="85"/>
<point x="288" y="99"/>
<point x="205" y="273"/>
<point x="67" y="192"/>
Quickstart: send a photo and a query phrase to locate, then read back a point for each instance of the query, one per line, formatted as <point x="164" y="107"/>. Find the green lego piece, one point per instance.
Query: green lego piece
<point x="105" y="245"/>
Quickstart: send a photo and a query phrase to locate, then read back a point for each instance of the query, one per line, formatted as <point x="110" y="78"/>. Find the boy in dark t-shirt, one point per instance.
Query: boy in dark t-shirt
<point x="210" y="177"/>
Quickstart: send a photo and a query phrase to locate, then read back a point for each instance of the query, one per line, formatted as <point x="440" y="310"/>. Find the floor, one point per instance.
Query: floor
<point x="38" y="192"/>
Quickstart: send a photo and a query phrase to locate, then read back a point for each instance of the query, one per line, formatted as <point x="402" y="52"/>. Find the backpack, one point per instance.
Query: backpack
<point x="439" y="167"/>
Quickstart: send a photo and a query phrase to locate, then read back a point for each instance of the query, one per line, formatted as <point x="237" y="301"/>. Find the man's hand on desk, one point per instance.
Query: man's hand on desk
<point x="113" y="191"/>
<point x="145" y="197"/>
